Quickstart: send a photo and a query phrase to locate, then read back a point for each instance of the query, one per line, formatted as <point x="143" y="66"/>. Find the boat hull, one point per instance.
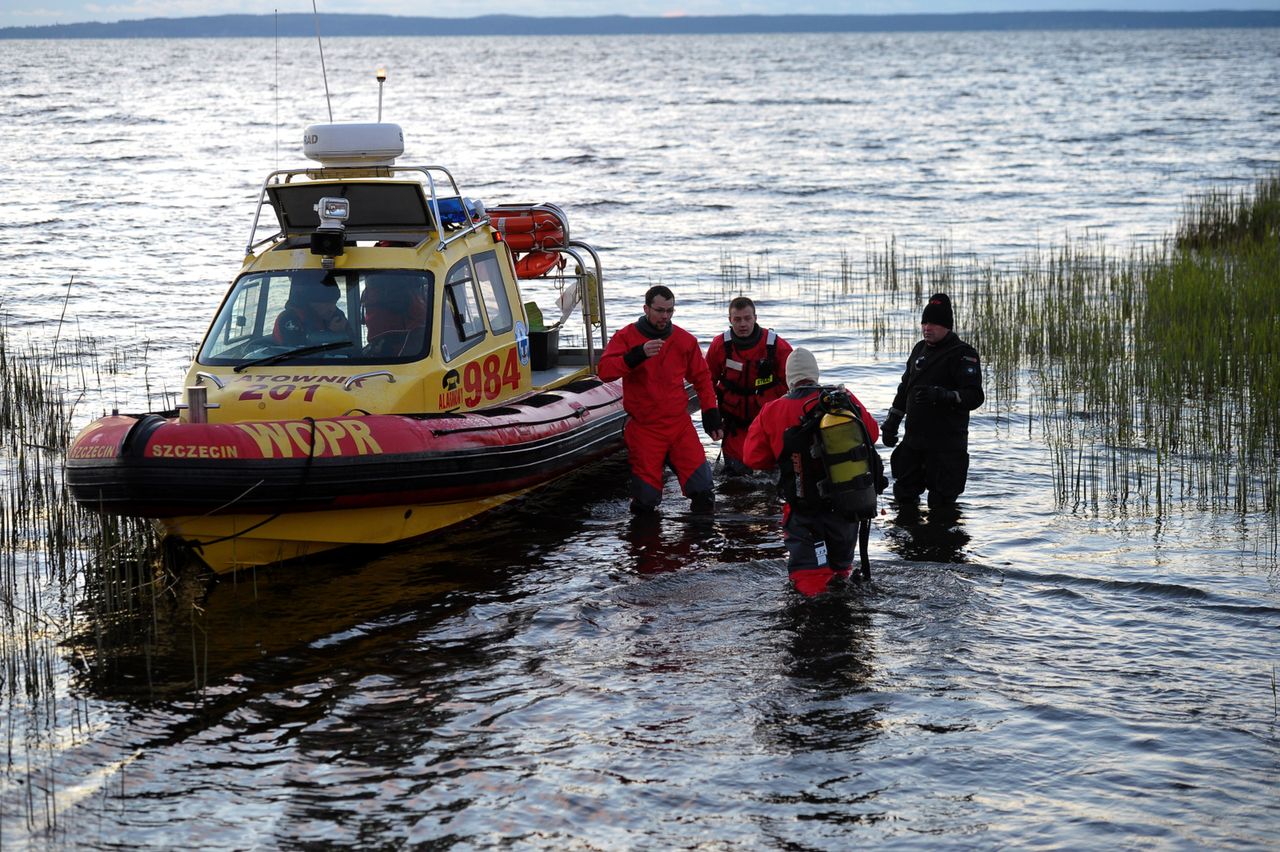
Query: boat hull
<point x="228" y="543"/>
<point x="252" y="493"/>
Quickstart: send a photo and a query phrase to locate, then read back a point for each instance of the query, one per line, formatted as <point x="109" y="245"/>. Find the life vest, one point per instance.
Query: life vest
<point x="828" y="463"/>
<point x="755" y="377"/>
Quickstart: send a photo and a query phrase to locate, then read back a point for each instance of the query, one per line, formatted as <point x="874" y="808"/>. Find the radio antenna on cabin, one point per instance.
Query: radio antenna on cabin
<point x="381" y="74"/>
<point x="275" y="88"/>
<point x="323" y="73"/>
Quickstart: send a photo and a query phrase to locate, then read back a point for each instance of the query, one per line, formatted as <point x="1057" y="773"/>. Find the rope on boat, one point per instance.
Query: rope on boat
<point x="306" y="472"/>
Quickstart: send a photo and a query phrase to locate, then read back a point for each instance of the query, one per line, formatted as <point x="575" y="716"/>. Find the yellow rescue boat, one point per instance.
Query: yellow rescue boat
<point x="374" y="374"/>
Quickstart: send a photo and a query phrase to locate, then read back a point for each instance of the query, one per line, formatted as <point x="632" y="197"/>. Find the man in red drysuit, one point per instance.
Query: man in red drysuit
<point x="820" y="544"/>
<point x="748" y="368"/>
<point x="654" y="358"/>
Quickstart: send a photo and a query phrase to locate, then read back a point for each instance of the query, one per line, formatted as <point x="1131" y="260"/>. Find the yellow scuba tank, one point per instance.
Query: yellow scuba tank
<point x="846" y="457"/>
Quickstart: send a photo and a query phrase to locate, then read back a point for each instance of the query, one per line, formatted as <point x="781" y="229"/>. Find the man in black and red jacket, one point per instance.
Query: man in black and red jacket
<point x="749" y="368"/>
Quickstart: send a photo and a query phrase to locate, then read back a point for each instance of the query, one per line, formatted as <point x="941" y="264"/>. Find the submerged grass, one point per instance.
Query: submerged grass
<point x="66" y="574"/>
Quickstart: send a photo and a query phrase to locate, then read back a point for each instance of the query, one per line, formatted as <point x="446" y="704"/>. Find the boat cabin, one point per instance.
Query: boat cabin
<point x="384" y="290"/>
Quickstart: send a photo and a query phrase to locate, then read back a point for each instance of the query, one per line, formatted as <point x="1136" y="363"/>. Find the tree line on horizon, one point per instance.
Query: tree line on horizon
<point x="335" y="25"/>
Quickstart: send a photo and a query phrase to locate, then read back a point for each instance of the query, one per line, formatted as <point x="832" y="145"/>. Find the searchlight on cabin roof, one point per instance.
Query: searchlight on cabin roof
<point x="353" y="145"/>
<point x="327" y="239"/>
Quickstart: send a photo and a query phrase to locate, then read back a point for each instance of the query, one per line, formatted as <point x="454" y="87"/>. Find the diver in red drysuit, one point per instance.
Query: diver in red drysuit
<point x="820" y="545"/>
<point x="748" y="367"/>
<point x="654" y="358"/>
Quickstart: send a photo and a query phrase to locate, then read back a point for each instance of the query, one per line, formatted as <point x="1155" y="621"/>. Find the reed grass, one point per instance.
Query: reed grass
<point x="1153" y="375"/>
<point x="1220" y="218"/>
<point x="64" y="568"/>
<point x="75" y="586"/>
<point x="1157" y="374"/>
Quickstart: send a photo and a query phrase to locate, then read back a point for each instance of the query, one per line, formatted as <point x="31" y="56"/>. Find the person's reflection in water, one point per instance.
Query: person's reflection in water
<point x="656" y="553"/>
<point x="822" y="703"/>
<point x="830" y="639"/>
<point x="935" y="535"/>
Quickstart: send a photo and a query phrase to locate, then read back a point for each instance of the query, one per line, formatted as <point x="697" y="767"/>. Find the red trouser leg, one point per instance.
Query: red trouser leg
<point x="650" y="447"/>
<point x="819" y="548"/>
<point x="689" y="460"/>
<point x="734" y="444"/>
<point x="646" y="452"/>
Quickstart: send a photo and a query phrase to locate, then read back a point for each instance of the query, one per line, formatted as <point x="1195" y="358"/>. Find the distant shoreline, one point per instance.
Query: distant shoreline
<point x="334" y="26"/>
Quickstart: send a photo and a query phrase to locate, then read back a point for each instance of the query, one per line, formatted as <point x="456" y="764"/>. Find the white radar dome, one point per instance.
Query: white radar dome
<point x="353" y="144"/>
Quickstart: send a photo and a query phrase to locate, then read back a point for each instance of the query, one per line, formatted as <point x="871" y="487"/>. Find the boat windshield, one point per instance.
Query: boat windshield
<point x="311" y="316"/>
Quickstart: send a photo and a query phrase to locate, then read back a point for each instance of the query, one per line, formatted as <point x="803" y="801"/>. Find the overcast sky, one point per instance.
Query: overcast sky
<point x="32" y="12"/>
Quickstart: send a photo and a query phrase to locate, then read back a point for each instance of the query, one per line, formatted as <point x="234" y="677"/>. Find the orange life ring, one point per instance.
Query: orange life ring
<point x="536" y="263"/>
<point x="526" y="230"/>
<point x="529" y="241"/>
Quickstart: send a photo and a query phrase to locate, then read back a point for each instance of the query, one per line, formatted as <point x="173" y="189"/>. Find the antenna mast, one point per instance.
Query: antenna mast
<point x="382" y="78"/>
<point x="316" y="14"/>
<point x="275" y="89"/>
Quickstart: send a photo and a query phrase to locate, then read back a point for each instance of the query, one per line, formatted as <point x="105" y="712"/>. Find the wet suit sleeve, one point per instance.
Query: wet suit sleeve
<point x="967" y="375"/>
<point x="715" y="358"/>
<point x="873" y="428"/>
<point x="613" y="362"/>
<point x="900" y="398"/>
<point x="635" y="356"/>
<point x="783" y="353"/>
<point x="757" y="452"/>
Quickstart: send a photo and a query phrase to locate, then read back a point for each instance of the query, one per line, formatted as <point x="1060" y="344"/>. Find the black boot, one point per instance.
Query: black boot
<point x="704" y="502"/>
<point x="643" y="509"/>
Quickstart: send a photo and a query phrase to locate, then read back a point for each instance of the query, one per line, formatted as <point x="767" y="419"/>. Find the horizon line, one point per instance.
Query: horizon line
<point x="213" y="26"/>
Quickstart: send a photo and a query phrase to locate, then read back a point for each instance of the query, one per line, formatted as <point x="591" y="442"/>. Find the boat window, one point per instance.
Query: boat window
<point x="461" y="325"/>
<point x="238" y="321"/>
<point x="493" y="291"/>
<point x="380" y="315"/>
<point x="396" y="314"/>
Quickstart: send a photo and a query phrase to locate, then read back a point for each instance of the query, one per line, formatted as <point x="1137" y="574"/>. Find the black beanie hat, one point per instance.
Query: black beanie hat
<point x="938" y="311"/>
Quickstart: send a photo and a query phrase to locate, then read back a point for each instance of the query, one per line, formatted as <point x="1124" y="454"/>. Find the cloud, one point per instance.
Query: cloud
<point x="166" y="9"/>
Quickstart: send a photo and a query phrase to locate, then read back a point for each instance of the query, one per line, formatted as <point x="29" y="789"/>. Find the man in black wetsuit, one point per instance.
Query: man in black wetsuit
<point x="940" y="386"/>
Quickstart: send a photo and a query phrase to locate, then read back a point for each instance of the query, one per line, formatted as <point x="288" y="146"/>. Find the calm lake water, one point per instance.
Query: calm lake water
<point x="557" y="677"/>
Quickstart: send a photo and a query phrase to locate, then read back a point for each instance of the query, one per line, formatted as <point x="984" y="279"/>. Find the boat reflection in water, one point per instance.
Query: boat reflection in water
<point x="183" y="631"/>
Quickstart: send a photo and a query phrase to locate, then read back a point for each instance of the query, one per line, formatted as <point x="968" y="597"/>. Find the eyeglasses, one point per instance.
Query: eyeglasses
<point x="662" y="310"/>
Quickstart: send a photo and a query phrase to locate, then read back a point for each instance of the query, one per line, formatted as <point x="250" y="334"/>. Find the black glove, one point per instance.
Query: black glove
<point x="635" y="356"/>
<point x="937" y="395"/>
<point x="711" y="420"/>
<point x="889" y="428"/>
